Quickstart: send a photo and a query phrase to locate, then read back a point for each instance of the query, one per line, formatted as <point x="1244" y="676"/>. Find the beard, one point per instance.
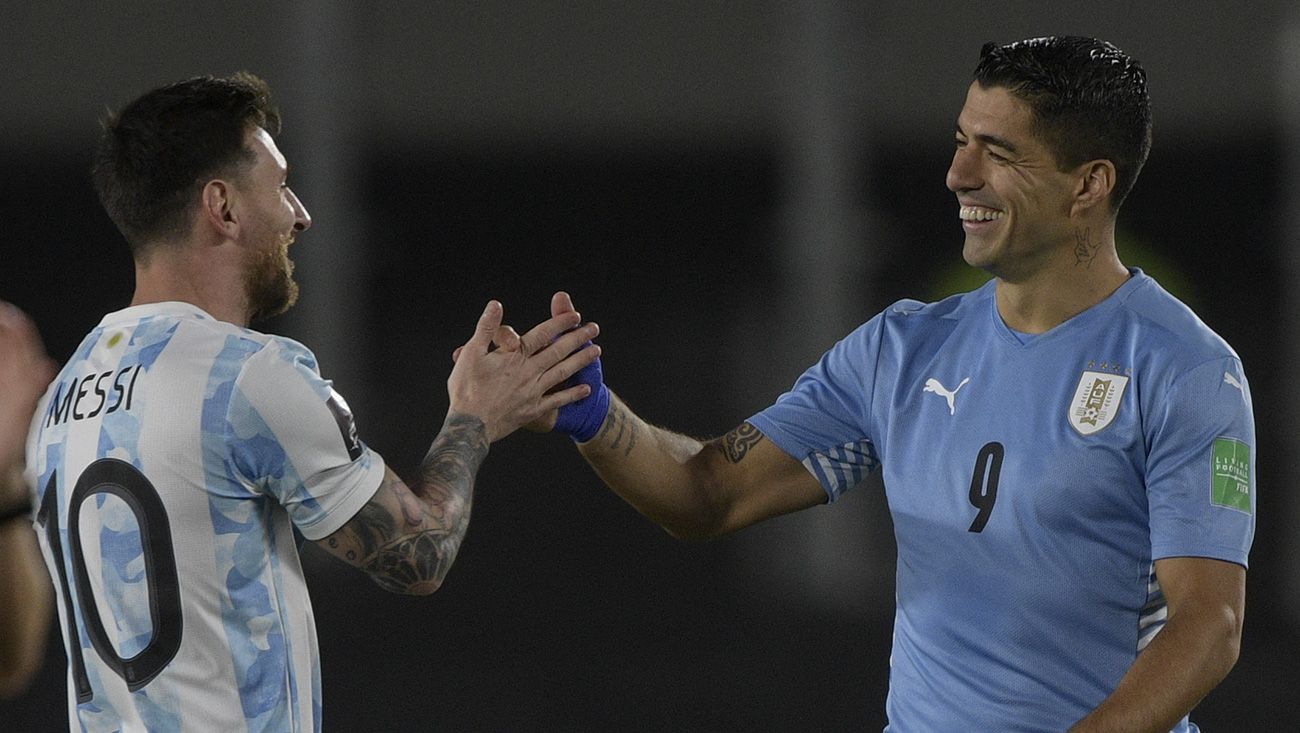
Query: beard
<point x="268" y="280"/>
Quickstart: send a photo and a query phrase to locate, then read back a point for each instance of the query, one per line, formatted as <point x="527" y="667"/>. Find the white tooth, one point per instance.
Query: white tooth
<point x="978" y="213"/>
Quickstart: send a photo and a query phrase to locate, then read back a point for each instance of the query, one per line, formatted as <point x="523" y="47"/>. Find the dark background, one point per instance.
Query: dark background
<point x="675" y="167"/>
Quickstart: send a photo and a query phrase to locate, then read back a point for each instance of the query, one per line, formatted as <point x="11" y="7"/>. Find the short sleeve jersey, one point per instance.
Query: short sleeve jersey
<point x="1032" y="484"/>
<point x="172" y="460"/>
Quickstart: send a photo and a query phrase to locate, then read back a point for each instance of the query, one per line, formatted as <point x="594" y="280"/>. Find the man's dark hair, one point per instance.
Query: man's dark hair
<point x="1089" y="100"/>
<point x="160" y="149"/>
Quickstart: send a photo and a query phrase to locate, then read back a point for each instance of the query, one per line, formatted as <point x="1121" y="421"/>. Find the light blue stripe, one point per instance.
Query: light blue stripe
<point x="254" y="631"/>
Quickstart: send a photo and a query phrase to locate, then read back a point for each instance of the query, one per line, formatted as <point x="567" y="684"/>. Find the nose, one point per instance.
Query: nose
<point x="963" y="174"/>
<point x="301" y="219"/>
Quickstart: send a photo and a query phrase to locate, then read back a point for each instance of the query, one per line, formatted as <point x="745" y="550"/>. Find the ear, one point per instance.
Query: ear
<point x="1096" y="179"/>
<point x="218" y="208"/>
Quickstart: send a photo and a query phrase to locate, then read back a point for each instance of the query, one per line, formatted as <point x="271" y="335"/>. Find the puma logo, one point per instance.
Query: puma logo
<point x="933" y="385"/>
<point x="1233" y="381"/>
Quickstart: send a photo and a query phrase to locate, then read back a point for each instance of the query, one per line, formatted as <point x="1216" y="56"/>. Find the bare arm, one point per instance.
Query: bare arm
<point x="24" y="586"/>
<point x="24" y="606"/>
<point x="1188" y="658"/>
<point x="694" y="489"/>
<point x="406" y="538"/>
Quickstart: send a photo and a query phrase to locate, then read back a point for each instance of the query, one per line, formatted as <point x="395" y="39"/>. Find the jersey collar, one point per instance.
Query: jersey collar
<point x="1137" y="278"/>
<point x="172" y="308"/>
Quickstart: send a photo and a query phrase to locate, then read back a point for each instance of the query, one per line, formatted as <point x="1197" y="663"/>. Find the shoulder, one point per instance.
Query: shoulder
<point x="906" y="329"/>
<point x="911" y="323"/>
<point x="285" y="350"/>
<point x="246" y="361"/>
<point x="1170" y="328"/>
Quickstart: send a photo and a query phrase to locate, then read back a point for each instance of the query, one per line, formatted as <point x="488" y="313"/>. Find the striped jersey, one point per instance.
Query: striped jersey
<point x="172" y="459"/>
<point x="1033" y="481"/>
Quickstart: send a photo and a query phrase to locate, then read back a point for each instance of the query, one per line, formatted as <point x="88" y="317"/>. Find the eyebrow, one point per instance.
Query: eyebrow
<point x="994" y="140"/>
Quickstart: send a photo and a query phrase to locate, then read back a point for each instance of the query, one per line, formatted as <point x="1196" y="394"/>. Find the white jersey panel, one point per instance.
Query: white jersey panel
<point x="167" y="500"/>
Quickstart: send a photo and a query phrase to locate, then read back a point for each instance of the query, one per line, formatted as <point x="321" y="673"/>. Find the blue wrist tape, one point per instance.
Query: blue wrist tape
<point x="581" y="420"/>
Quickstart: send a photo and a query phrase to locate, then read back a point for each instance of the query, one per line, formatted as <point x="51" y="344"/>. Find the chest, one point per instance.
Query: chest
<point x="1000" y="441"/>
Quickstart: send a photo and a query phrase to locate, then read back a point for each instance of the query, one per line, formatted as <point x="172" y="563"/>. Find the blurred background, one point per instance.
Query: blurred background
<point x="728" y="188"/>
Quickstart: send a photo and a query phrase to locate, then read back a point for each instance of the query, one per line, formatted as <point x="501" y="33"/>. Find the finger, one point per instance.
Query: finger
<point x="561" y="303"/>
<point x="570" y="366"/>
<point x="547" y="331"/>
<point x="507" y="339"/>
<point x="556" y="400"/>
<point x="566" y="345"/>
<point x="488" y="323"/>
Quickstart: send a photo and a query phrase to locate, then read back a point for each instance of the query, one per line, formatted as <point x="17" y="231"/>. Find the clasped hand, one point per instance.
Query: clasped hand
<point x="516" y="383"/>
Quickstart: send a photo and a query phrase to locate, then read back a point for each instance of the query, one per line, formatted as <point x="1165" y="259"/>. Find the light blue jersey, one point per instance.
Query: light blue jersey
<point x="1032" y="486"/>
<point x="172" y="458"/>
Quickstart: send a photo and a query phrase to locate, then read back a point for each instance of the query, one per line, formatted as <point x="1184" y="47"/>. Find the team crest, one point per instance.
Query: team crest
<point x="1096" y="401"/>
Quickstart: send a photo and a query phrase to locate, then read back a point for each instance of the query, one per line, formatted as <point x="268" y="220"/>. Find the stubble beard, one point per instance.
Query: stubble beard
<point x="268" y="281"/>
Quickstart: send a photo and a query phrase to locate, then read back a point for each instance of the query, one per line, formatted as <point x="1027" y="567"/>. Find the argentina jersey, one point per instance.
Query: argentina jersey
<point x="171" y="460"/>
<point x="1033" y="482"/>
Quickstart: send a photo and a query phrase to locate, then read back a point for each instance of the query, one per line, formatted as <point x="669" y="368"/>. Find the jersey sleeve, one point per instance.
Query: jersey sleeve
<point x="1201" y="466"/>
<point x="293" y="438"/>
<point x="821" y="420"/>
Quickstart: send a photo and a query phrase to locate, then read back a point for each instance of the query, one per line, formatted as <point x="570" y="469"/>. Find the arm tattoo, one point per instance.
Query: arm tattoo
<point x="414" y="551"/>
<point x="1085" y="251"/>
<point x="620" y="424"/>
<point x="736" y="444"/>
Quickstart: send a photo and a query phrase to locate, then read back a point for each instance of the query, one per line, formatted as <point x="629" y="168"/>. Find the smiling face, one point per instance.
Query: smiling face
<point x="1015" y="205"/>
<point x="274" y="216"/>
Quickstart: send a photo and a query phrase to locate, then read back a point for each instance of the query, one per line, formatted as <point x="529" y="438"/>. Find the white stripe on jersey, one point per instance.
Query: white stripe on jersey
<point x="842" y="468"/>
<point x="1154" y="613"/>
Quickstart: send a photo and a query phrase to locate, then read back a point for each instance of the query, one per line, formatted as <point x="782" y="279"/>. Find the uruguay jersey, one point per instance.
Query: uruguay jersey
<point x="171" y="460"/>
<point x="1033" y="481"/>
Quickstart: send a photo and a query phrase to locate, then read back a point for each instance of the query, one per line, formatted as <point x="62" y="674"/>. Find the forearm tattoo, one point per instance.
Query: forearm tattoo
<point x="620" y="429"/>
<point x="414" y="551"/>
<point x="736" y="444"/>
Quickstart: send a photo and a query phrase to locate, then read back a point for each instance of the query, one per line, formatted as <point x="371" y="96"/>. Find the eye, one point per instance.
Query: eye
<point x="960" y="143"/>
<point x="998" y="158"/>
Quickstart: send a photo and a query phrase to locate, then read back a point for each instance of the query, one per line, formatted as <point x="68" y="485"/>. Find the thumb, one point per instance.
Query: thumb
<point x="561" y="304"/>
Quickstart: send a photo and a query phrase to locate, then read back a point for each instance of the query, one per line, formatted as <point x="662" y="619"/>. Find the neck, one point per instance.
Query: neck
<point x="1075" y="278"/>
<point x="202" y="276"/>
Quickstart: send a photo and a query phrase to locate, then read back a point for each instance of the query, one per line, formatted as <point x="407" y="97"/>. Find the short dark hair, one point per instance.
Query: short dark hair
<point x="156" y="152"/>
<point x="1089" y="100"/>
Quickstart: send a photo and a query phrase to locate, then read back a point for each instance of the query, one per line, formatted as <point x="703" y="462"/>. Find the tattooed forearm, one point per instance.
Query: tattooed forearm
<point x="449" y="468"/>
<point x="619" y="425"/>
<point x="406" y="539"/>
<point x="415" y="562"/>
<point x="736" y="444"/>
<point x="1085" y="250"/>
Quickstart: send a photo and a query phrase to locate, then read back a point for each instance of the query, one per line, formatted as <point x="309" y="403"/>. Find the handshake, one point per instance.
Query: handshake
<point x="548" y="379"/>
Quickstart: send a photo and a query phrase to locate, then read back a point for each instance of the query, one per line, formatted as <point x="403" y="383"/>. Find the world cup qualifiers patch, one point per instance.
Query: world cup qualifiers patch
<point x="1230" y="474"/>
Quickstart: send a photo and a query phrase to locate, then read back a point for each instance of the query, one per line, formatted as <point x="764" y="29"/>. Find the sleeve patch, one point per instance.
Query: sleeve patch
<point x="1230" y="474"/>
<point x="347" y="426"/>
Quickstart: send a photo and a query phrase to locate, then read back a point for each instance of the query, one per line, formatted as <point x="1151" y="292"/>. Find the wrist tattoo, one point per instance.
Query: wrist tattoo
<point x="620" y="424"/>
<point x="736" y="444"/>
